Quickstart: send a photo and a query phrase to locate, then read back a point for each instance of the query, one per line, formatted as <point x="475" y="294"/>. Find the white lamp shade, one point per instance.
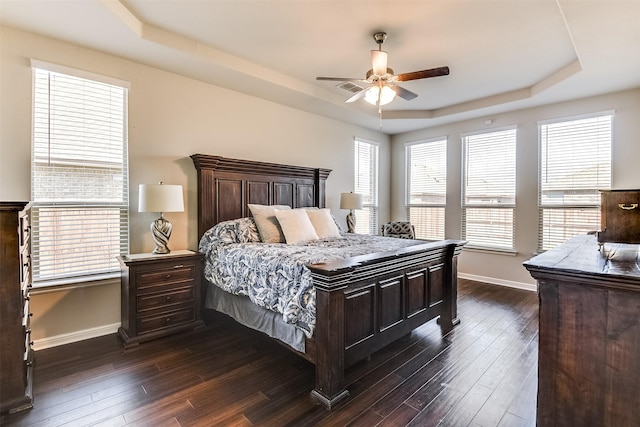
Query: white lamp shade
<point x="160" y="198"/>
<point x="351" y="201"/>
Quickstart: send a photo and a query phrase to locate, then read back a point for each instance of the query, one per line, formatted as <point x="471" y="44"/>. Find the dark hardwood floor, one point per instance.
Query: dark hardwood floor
<point x="483" y="373"/>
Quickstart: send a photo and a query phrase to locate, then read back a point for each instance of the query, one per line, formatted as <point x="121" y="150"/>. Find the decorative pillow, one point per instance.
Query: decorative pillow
<point x="296" y="225"/>
<point x="323" y="223"/>
<point x="247" y="230"/>
<point x="267" y="223"/>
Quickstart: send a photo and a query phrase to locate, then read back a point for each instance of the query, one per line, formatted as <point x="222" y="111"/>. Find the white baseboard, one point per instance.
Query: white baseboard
<point x="84" y="334"/>
<point x="492" y="280"/>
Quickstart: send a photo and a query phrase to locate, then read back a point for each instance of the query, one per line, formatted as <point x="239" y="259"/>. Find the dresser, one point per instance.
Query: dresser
<point x="16" y="354"/>
<point x="589" y="342"/>
<point x="160" y="295"/>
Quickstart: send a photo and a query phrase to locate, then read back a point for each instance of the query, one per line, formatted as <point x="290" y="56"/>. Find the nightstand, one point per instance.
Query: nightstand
<point x="160" y="295"/>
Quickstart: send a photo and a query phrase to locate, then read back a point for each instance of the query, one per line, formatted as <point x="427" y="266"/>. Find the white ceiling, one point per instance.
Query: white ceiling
<point x="503" y="55"/>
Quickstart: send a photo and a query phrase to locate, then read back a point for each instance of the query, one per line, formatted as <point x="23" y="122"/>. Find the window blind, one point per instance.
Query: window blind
<point x="489" y="189"/>
<point x="575" y="162"/>
<point x="426" y="187"/>
<point x="366" y="183"/>
<point x="79" y="176"/>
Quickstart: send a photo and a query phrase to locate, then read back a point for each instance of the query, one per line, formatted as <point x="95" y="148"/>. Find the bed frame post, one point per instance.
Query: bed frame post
<point x="449" y="316"/>
<point x="330" y="363"/>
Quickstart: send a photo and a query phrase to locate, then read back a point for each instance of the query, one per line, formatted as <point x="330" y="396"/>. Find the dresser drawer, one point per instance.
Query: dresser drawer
<point x="152" y="301"/>
<point x="27" y="343"/>
<point x="24" y="230"/>
<point x="148" y="324"/>
<point x="26" y="311"/>
<point x="25" y="266"/>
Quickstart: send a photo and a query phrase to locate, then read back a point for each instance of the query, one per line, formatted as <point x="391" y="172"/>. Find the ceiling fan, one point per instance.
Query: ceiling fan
<point x="382" y="81"/>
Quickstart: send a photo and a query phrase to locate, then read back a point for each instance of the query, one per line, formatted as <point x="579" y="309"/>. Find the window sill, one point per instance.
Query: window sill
<point x="484" y="249"/>
<point x="70" y="283"/>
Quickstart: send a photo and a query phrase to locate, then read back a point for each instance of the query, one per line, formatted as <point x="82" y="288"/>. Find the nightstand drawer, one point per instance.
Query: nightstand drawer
<point x="174" y="318"/>
<point x="178" y="273"/>
<point x="154" y="301"/>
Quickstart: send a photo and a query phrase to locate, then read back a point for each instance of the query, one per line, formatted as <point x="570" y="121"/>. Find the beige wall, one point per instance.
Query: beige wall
<point x="507" y="269"/>
<point x="170" y="118"/>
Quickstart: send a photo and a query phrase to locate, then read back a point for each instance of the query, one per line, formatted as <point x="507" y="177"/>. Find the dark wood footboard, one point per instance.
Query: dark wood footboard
<point x="365" y="303"/>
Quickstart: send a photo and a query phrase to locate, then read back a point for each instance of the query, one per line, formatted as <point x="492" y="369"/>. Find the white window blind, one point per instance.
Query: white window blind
<point x="366" y="183"/>
<point x="489" y="189"/>
<point x="426" y="186"/>
<point x="79" y="177"/>
<point x="575" y="162"/>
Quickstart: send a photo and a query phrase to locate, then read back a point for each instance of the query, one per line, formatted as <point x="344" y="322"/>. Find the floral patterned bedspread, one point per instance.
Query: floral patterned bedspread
<point x="274" y="275"/>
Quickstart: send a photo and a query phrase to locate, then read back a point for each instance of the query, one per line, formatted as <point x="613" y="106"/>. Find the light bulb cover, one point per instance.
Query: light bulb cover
<point x="386" y="95"/>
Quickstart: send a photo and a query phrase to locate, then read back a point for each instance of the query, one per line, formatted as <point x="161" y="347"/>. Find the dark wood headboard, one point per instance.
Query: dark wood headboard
<point x="227" y="186"/>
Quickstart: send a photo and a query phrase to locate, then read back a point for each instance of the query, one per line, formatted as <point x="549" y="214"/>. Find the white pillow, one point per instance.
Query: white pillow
<point x="266" y="222"/>
<point x="323" y="223"/>
<point x="296" y="225"/>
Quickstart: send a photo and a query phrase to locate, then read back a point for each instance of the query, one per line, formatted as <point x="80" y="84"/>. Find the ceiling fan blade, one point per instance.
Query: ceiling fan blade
<point x="433" y="72"/>
<point x="341" y="79"/>
<point x="379" y="62"/>
<point x="356" y="97"/>
<point x="403" y="93"/>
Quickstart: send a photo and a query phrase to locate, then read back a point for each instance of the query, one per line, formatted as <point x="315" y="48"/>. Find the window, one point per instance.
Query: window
<point x="489" y="189"/>
<point x="427" y="187"/>
<point x="79" y="175"/>
<point x="575" y="162"/>
<point x="366" y="183"/>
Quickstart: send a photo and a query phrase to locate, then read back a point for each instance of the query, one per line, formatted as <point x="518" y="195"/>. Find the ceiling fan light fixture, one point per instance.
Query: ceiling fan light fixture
<point x="386" y="95"/>
<point x="379" y="62"/>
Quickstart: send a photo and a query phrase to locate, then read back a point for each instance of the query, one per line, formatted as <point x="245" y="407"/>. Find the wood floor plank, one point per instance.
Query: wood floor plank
<point x="483" y="372"/>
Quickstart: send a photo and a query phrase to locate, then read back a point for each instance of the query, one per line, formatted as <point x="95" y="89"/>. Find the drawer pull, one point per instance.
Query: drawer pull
<point x="178" y="266"/>
<point x="168" y="298"/>
<point x="168" y="276"/>
<point x="627" y="207"/>
<point x="168" y="319"/>
<point x="30" y="343"/>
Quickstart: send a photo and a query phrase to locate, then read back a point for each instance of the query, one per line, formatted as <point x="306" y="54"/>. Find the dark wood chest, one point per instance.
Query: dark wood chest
<point x="16" y="353"/>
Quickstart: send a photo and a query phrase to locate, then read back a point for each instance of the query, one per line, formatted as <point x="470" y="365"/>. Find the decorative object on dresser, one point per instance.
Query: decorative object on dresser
<point x="619" y="216"/>
<point x="16" y="354"/>
<point x="160" y="295"/>
<point x="351" y="201"/>
<point x="161" y="198"/>
<point x="589" y="346"/>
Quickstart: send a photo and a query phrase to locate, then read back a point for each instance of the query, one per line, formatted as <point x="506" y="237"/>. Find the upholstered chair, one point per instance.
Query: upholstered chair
<point x="399" y="229"/>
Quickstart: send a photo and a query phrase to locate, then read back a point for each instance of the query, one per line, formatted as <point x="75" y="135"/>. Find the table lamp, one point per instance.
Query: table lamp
<point x="161" y="198"/>
<point x="351" y="201"/>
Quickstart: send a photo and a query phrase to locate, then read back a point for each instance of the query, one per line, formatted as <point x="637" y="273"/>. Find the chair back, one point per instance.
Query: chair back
<point x="399" y="229"/>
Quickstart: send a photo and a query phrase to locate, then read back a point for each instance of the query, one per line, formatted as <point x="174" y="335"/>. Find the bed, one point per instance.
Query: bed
<point x="362" y="303"/>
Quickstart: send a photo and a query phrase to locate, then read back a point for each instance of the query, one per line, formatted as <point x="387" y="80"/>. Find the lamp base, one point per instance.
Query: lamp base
<point x="351" y="222"/>
<point x="161" y="231"/>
